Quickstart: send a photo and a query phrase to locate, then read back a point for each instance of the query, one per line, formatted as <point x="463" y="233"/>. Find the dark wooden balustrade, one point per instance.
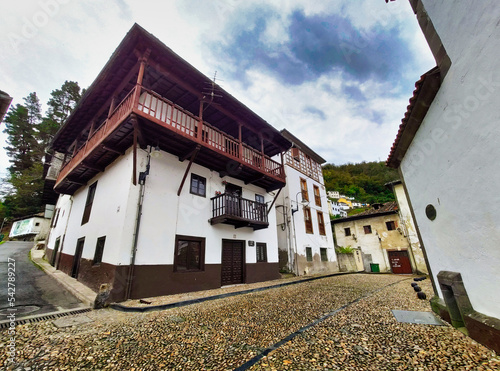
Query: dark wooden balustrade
<point x="240" y="212"/>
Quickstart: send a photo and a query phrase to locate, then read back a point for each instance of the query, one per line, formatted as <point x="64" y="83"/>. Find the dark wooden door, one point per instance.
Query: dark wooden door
<point x="233" y="199"/>
<point x="400" y="262"/>
<point x="77" y="257"/>
<point x="233" y="260"/>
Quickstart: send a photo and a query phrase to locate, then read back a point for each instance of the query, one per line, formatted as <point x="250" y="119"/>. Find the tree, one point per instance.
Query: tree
<point x="20" y="125"/>
<point x="61" y="104"/>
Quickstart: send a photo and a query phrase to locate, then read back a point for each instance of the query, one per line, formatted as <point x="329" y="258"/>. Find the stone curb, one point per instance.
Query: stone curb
<point x="124" y="308"/>
<point x="78" y="289"/>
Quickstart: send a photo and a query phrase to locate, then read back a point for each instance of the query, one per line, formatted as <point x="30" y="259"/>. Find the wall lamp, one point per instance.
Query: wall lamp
<point x="304" y="203"/>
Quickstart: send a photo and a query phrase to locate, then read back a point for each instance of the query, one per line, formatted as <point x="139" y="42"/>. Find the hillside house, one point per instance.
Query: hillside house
<point x="376" y="233"/>
<point x="166" y="187"/>
<point x="304" y="233"/>
<point x="446" y="147"/>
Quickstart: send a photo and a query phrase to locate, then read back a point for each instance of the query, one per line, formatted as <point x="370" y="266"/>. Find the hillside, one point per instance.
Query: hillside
<point x="364" y="181"/>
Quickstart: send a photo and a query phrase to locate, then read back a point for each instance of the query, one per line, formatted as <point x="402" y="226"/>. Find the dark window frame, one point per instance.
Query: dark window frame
<point x="201" y="263"/>
<point x="323" y="251"/>
<point x="347" y="231"/>
<point x="55" y="218"/>
<point x="308" y="220"/>
<point x="196" y="189"/>
<point x="317" y="195"/>
<point x="367" y="229"/>
<point x="309" y="254"/>
<point x="303" y="189"/>
<point x="321" y="223"/>
<point x="261" y="252"/>
<point x="89" y="202"/>
<point x="99" y="250"/>
<point x="259" y="197"/>
<point x="391" y="225"/>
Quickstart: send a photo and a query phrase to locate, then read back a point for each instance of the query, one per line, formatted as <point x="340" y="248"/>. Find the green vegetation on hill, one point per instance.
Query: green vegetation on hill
<point x="364" y="181"/>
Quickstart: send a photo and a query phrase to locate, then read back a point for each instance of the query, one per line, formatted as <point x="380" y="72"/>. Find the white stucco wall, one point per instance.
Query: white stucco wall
<point x="297" y="236"/>
<point x="166" y="215"/>
<point x="456" y="152"/>
<point x="113" y="213"/>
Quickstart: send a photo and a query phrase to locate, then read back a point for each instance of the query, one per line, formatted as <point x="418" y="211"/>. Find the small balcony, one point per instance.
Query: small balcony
<point x="176" y="131"/>
<point x="240" y="212"/>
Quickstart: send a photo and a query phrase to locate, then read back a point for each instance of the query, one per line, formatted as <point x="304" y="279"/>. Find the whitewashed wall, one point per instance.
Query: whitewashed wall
<point x="165" y="215"/>
<point x="456" y="152"/>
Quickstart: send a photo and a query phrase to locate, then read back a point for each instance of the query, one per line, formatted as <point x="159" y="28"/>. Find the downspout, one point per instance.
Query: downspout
<point x="140" y="201"/>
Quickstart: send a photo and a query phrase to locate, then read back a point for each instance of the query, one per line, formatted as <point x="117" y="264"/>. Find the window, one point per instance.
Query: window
<point x="37" y="224"/>
<point x="347" y="231"/>
<point x="317" y="197"/>
<point x="99" y="248"/>
<point x="324" y="254"/>
<point x="296" y="153"/>
<point x="54" y="219"/>
<point x="260" y="198"/>
<point x="309" y="254"/>
<point x="198" y="185"/>
<point x="368" y="229"/>
<point x="321" y="224"/>
<point x="390" y="225"/>
<point x="303" y="188"/>
<point x="261" y="252"/>
<point x="189" y="254"/>
<point x="88" y="203"/>
<point x="308" y="220"/>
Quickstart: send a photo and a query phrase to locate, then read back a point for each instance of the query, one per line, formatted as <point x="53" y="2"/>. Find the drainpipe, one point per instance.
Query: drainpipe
<point x="140" y="201"/>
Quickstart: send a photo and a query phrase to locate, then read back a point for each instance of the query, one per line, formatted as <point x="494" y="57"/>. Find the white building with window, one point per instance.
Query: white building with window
<point x="164" y="189"/>
<point x="305" y="237"/>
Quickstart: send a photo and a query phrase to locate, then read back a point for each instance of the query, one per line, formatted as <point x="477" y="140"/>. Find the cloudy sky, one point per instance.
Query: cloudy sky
<point x="338" y="74"/>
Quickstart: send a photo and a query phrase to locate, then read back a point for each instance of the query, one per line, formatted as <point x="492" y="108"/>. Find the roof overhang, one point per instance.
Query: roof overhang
<point x="177" y="81"/>
<point x="296" y="142"/>
<point x="425" y="90"/>
<point x="5" y="101"/>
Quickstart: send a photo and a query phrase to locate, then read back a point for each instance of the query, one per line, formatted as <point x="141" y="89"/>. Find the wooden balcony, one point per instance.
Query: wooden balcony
<point x="176" y="131"/>
<point x="238" y="211"/>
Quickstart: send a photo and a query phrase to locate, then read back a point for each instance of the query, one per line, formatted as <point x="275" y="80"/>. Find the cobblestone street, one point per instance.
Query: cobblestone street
<point x="224" y="334"/>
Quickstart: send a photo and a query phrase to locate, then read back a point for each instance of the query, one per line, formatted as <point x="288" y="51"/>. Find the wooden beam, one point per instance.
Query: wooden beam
<point x="255" y="179"/>
<point x="75" y="181"/>
<point x="274" y="200"/>
<point x="187" y="169"/>
<point x="137" y="127"/>
<point x="107" y="148"/>
<point x="190" y="153"/>
<point x="93" y="167"/>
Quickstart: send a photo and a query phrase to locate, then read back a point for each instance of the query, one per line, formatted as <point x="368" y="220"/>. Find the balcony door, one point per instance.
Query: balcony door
<point x="233" y="260"/>
<point x="233" y="199"/>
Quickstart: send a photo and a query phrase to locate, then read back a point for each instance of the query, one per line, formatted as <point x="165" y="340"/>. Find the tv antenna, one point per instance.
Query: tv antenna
<point x="211" y="91"/>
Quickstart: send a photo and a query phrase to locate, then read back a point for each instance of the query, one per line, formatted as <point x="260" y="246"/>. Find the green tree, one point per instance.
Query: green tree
<point x="60" y="106"/>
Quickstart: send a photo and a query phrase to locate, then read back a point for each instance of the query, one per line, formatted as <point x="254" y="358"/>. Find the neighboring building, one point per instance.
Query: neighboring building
<point x="165" y="187"/>
<point x="345" y="203"/>
<point x="377" y="234"/>
<point x="408" y="226"/>
<point x="5" y="101"/>
<point x="304" y="232"/>
<point x="333" y="194"/>
<point x="447" y="147"/>
<point x="335" y="209"/>
<point x="30" y="228"/>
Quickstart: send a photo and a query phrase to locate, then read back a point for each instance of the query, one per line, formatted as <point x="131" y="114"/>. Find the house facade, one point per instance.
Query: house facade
<point x="166" y="187"/>
<point x="377" y="235"/>
<point x="304" y="233"/>
<point x="447" y="145"/>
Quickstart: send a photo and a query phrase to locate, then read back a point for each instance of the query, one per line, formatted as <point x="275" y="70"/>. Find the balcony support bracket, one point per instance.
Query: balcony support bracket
<point x="193" y="156"/>
<point x="274" y="200"/>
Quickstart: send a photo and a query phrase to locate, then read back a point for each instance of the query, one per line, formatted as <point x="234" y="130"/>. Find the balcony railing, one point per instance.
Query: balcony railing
<point x="240" y="212"/>
<point x="155" y="108"/>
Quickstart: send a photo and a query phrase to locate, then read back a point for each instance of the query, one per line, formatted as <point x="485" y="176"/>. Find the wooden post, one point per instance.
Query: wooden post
<point x="112" y="106"/>
<point x="240" y="125"/>
<point x="200" y="123"/>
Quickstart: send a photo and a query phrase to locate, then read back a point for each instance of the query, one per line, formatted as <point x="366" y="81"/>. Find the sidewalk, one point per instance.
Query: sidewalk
<point x="78" y="289"/>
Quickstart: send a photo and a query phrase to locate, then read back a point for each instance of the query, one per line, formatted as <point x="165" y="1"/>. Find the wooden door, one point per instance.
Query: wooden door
<point x="233" y="260"/>
<point x="77" y="257"/>
<point x="233" y="199"/>
<point x="400" y="262"/>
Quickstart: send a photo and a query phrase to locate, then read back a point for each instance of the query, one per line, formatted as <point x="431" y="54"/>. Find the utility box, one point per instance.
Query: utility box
<point x="374" y="267"/>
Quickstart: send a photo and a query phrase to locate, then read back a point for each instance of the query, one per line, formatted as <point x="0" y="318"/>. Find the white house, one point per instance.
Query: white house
<point x="304" y="232"/>
<point x="333" y="194"/>
<point x="165" y="188"/>
<point x="336" y="209"/>
<point x="447" y="146"/>
<point x="30" y="228"/>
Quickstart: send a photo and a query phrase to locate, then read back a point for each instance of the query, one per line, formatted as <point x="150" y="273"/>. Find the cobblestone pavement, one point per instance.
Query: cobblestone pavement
<point x="224" y="334"/>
